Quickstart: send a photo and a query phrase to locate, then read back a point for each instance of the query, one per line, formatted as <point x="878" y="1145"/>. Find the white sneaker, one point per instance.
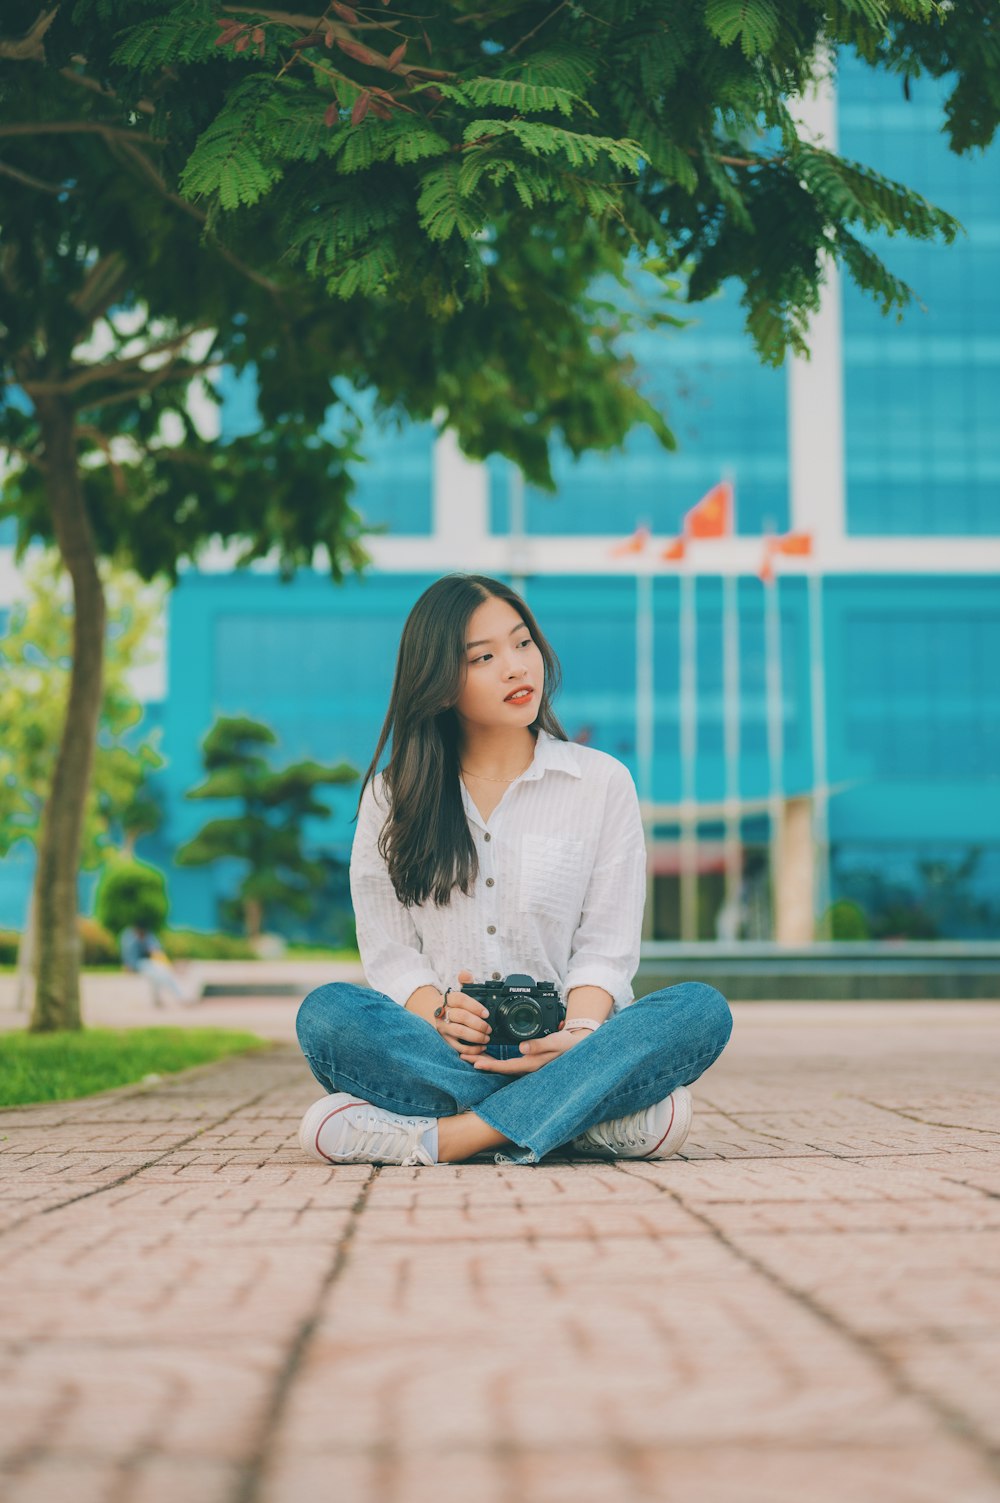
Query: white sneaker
<point x="655" y="1133"/>
<point x="343" y="1129"/>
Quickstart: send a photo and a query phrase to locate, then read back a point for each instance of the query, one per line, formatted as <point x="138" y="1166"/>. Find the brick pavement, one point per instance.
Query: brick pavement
<point x="801" y="1309"/>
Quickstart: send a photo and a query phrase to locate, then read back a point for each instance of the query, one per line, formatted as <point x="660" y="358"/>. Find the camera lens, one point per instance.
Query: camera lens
<point x="522" y="1018"/>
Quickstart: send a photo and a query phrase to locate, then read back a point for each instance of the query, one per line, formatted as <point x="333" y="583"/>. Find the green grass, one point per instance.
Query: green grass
<point x="65" y="1065"/>
<point x="317" y="952"/>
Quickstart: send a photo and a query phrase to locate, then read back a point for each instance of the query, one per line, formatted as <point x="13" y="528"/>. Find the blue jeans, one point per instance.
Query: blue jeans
<point x="359" y="1041"/>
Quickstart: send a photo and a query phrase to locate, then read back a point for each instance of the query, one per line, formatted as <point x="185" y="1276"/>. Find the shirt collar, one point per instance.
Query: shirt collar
<point x="552" y="755"/>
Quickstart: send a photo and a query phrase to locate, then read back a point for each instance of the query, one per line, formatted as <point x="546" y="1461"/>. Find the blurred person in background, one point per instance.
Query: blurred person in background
<point x="142" y="952"/>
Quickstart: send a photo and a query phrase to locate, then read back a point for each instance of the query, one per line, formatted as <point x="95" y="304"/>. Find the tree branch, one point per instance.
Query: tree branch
<point x="157" y="378"/>
<point x="85" y="430"/>
<point x="102" y="284"/>
<point x="73" y="127"/>
<point x="308" y="23"/>
<point x="529" y="34"/>
<point x="28" y="456"/>
<point x="339" y="29"/>
<point x="112" y="370"/>
<point x="155" y="177"/>
<point x="30" y="47"/>
<point x="83" y="81"/>
<point x="34" y="182"/>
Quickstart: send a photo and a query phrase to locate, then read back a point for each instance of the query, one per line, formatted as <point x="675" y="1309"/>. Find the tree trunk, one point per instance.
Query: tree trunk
<point x="26" y="956"/>
<point x="57" y="990"/>
<point x="253" y="917"/>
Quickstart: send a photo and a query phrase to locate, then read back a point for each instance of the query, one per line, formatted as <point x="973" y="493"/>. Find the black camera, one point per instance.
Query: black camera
<point x="518" y="1007"/>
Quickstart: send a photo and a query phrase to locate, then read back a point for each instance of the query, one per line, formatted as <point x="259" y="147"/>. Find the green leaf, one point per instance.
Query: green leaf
<point x="445" y="209"/>
<point x="579" y="149"/>
<point x="181" y="34"/>
<point x="516" y="94"/>
<point x="369" y="275"/>
<point x="227" y="160"/>
<point x="754" y="22"/>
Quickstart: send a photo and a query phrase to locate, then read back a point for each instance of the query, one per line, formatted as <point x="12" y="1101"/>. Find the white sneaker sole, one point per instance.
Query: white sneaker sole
<point x="315" y="1120"/>
<point x="678" y="1127"/>
<point x="671" y="1142"/>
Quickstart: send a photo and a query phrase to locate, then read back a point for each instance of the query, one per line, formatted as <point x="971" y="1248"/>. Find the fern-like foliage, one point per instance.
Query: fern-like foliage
<point x="579" y="149"/>
<point x="852" y="192"/>
<point x="525" y="97"/>
<point x="370" y="274"/>
<point x="404" y="141"/>
<point x="568" y="68"/>
<point x="729" y="194"/>
<point x="227" y="159"/>
<point x="394" y="145"/>
<point x="754" y="22"/>
<point x="871" y="274"/>
<point x="344" y="225"/>
<point x="181" y="34"/>
<point x="445" y="209"/>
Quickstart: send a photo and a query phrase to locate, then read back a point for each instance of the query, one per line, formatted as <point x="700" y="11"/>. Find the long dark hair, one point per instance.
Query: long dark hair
<point x="425" y="840"/>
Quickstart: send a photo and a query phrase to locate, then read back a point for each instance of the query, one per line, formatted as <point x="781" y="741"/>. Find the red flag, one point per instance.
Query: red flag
<point x="712" y="517"/>
<point x="635" y="544"/>
<point x="798" y="544"/>
<point x="791" y="544"/>
<point x="674" y="551"/>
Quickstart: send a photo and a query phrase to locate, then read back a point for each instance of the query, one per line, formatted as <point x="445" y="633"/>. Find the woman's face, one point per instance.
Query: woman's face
<point x="500" y="658"/>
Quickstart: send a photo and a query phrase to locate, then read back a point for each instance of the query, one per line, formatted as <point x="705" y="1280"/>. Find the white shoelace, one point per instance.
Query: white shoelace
<point x="622" y="1132"/>
<point x="377" y="1138"/>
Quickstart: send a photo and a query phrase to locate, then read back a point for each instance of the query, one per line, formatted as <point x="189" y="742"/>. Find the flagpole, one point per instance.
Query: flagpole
<point x="731" y="724"/>
<point x="515" y="529"/>
<point x="775" y="735"/>
<point x="689" y="751"/>
<point x="821" y="791"/>
<point x="644" y="722"/>
<point x="732" y="844"/>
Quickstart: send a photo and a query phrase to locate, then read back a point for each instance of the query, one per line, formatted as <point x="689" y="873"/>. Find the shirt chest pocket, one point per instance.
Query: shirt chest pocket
<point x="552" y="879"/>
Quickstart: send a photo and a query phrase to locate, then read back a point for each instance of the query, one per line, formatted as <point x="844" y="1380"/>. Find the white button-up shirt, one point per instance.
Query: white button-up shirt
<point x="559" y="895"/>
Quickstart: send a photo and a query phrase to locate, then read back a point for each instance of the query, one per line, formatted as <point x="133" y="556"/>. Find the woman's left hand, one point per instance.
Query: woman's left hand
<point x="534" y="1054"/>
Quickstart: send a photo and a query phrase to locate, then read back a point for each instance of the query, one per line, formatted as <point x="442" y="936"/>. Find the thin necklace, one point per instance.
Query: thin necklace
<point x="483" y="779"/>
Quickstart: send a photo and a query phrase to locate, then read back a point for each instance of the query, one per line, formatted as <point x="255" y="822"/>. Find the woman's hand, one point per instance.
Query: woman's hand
<point x="534" y="1054"/>
<point x="465" y="1027"/>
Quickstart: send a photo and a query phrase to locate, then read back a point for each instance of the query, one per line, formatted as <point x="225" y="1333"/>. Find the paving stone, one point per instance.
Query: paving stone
<point x="800" y="1308"/>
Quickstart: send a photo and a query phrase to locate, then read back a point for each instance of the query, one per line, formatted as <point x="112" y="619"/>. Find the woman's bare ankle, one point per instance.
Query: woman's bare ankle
<point x="462" y="1136"/>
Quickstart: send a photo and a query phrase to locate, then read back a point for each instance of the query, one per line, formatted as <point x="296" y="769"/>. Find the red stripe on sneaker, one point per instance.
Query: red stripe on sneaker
<point x="673" y="1108"/>
<point x="329" y="1116"/>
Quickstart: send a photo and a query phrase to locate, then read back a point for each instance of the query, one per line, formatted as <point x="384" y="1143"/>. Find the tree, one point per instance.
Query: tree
<point x="414" y="199"/>
<point x="267" y="833"/>
<point x="35" y="651"/>
<point x="131" y="892"/>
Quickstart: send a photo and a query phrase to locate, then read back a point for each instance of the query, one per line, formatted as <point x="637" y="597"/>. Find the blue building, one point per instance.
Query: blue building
<point x="885" y="447"/>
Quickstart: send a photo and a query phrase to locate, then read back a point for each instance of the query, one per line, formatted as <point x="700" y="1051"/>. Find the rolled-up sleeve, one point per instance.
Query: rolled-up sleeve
<point x="605" y="947"/>
<point x="390" y="947"/>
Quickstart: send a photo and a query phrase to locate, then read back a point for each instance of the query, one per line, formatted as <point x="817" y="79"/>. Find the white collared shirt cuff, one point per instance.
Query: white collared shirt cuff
<point x="603" y="976"/>
<point x="401" y="987"/>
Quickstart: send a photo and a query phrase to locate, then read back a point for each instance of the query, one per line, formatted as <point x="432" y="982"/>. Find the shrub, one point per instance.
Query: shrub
<point x="98" y="946"/>
<point x="131" y="892"/>
<point x="191" y="944"/>
<point x="847" y="921"/>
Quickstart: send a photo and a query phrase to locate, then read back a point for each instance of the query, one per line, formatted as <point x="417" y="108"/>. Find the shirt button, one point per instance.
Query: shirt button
<point x="496" y="975"/>
<point x="491" y="928"/>
<point x="487" y="837"/>
<point x="489" y="881"/>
